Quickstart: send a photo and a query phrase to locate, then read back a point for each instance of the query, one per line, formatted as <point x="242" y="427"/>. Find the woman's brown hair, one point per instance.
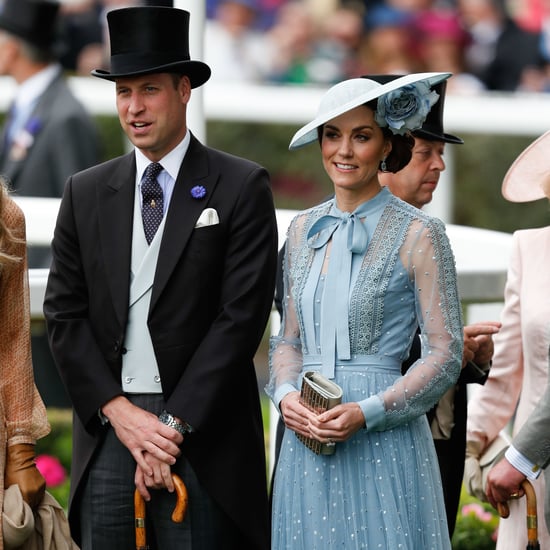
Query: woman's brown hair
<point x="401" y="145"/>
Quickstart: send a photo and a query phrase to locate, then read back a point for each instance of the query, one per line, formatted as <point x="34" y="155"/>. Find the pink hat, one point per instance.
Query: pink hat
<point x="439" y="23"/>
<point x="528" y="178"/>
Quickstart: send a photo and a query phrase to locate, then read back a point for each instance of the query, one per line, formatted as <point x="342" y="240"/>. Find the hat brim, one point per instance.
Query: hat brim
<point x="529" y="173"/>
<point x="197" y="71"/>
<point x="432" y="136"/>
<point x="355" y="92"/>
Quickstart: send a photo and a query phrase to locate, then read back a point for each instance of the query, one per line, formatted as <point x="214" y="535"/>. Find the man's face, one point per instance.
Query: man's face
<point x="8" y="51"/>
<point x="417" y="181"/>
<point x="152" y="111"/>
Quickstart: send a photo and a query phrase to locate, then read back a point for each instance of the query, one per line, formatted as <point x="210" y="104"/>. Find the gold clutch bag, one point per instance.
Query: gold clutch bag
<point x="319" y="394"/>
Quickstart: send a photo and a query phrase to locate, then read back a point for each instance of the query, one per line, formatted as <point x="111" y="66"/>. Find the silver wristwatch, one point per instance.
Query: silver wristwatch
<point x="182" y="427"/>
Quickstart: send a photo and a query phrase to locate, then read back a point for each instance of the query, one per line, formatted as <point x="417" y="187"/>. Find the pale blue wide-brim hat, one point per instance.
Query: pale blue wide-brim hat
<point x="348" y="94"/>
<point x="528" y="178"/>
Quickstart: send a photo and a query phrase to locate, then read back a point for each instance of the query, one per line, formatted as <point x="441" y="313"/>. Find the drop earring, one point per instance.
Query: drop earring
<point x="383" y="166"/>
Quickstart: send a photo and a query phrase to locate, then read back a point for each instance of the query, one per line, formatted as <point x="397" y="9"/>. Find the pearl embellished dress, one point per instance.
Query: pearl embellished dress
<point x="381" y="489"/>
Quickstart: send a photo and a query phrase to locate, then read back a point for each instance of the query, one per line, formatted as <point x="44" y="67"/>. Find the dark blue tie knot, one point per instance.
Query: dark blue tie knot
<point x="152" y="200"/>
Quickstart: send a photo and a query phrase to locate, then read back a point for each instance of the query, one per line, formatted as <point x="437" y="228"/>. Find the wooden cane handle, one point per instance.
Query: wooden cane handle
<point x="503" y="509"/>
<point x="181" y="503"/>
<point x="177" y="515"/>
<point x="531" y="501"/>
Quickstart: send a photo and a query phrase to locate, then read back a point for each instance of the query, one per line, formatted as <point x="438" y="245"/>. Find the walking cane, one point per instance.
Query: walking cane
<point x="532" y="531"/>
<point x="177" y="515"/>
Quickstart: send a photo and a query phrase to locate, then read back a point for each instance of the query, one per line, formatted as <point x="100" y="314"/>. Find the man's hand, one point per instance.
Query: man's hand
<point x="160" y="479"/>
<point x="141" y="432"/>
<point x="503" y="483"/>
<point x="478" y="342"/>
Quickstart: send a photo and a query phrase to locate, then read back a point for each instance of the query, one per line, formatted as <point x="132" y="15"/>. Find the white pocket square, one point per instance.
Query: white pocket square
<point x="208" y="217"/>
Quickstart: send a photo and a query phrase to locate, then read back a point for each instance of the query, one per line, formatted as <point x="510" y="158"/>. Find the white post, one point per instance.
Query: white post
<point x="196" y="121"/>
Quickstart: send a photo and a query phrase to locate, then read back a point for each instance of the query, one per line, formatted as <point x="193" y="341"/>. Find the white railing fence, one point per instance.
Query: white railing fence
<point x="481" y="257"/>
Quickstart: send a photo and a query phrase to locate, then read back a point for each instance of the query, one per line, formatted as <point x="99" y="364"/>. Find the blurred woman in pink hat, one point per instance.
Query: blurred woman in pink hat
<point x="519" y="373"/>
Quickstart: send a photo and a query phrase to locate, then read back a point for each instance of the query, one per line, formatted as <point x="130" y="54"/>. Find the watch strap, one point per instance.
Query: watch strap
<point x="169" y="420"/>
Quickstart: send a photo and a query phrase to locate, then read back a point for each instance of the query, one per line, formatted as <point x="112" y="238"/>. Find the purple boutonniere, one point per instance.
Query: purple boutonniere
<point x="24" y="139"/>
<point x="198" y="192"/>
<point x="33" y="126"/>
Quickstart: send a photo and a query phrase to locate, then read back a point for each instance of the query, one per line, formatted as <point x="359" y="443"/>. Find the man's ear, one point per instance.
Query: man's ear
<point x="184" y="87"/>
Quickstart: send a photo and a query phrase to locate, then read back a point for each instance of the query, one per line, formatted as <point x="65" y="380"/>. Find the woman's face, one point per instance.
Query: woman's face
<point x="352" y="146"/>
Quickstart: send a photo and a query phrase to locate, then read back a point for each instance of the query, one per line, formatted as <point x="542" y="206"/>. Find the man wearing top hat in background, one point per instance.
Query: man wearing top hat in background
<point x="416" y="184"/>
<point x="154" y="330"/>
<point x="47" y="136"/>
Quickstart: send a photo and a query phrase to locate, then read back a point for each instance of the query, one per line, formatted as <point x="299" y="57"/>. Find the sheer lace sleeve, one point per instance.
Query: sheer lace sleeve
<point x="427" y="257"/>
<point x="285" y="356"/>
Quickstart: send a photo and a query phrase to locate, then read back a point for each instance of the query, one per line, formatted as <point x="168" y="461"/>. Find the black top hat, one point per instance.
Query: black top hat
<point x="432" y="129"/>
<point x="31" y="20"/>
<point x="149" y="40"/>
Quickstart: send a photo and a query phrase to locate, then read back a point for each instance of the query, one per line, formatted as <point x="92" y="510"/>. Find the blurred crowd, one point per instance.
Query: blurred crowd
<point x="501" y="45"/>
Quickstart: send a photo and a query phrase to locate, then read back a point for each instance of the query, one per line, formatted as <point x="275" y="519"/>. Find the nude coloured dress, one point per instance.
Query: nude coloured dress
<point x="23" y="415"/>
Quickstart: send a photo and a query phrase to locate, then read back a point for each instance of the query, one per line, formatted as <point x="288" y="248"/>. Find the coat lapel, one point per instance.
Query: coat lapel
<point x="116" y="204"/>
<point x="115" y="212"/>
<point x="184" y="211"/>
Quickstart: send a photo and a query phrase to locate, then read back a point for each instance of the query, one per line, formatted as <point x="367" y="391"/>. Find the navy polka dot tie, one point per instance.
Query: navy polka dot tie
<point x="153" y="201"/>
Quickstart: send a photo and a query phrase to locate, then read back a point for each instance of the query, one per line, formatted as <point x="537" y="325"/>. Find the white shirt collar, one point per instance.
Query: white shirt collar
<point x="170" y="162"/>
<point x="30" y="90"/>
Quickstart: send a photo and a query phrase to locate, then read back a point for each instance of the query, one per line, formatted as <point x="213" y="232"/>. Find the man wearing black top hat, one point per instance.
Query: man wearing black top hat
<point x="158" y="295"/>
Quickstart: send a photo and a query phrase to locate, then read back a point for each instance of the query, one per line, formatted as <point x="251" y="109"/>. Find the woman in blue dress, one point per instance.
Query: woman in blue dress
<point x="362" y="272"/>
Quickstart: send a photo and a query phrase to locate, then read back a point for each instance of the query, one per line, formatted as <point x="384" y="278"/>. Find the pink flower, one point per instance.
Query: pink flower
<point x="52" y="470"/>
<point x="477" y="510"/>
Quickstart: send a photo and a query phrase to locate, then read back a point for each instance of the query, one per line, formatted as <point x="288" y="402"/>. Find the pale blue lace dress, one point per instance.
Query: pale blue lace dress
<point x="381" y="489"/>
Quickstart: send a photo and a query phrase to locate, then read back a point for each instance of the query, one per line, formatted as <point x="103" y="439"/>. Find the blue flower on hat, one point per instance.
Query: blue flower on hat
<point x="406" y="108"/>
<point x="198" y="192"/>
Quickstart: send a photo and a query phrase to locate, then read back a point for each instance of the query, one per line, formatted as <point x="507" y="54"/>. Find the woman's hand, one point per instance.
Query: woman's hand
<point x="337" y="424"/>
<point x="296" y="417"/>
<point x="21" y="470"/>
